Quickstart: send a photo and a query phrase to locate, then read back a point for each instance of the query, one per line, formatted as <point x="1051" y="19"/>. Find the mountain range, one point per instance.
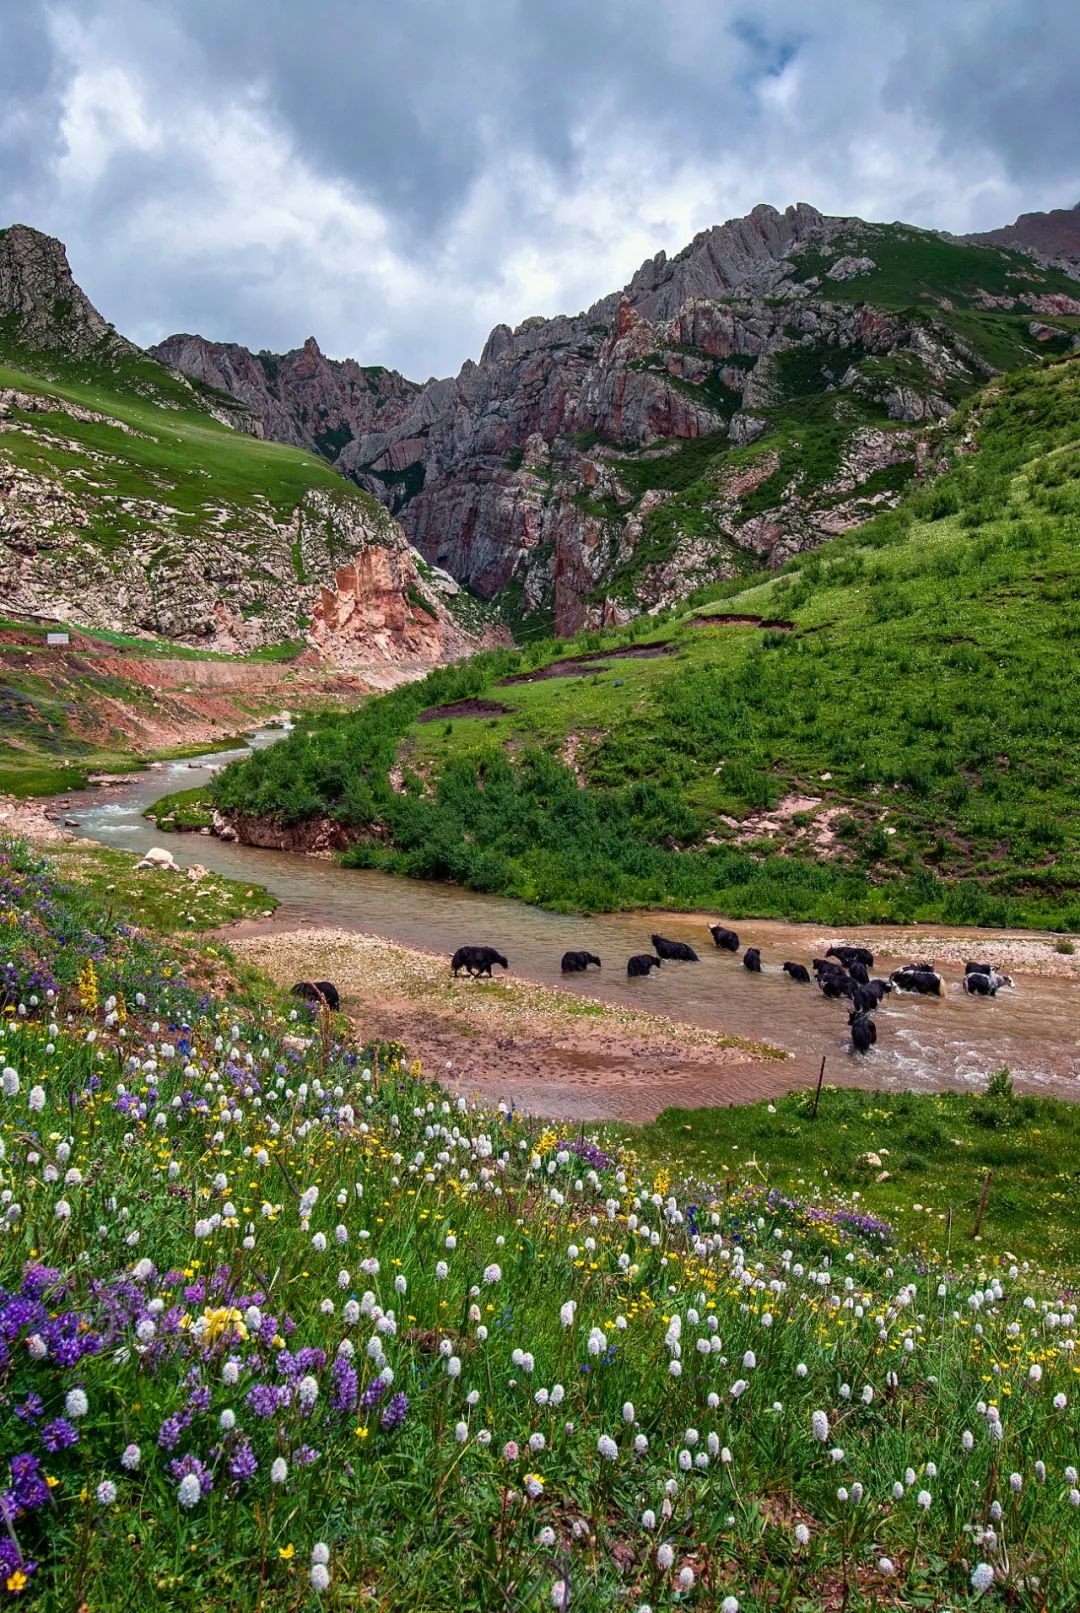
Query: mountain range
<point x="767" y="387"/>
<point x="778" y="381"/>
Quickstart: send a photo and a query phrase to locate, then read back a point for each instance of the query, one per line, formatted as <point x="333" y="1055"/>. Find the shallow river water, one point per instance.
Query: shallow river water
<point x="923" y="1042"/>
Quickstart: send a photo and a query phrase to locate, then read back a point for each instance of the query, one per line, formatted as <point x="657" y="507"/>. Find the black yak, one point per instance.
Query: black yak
<point x="863" y="1032"/>
<point x="641" y="963"/>
<point x="751" y="959"/>
<point x="849" y="955"/>
<point x="317" y="991"/>
<point x="726" y="940"/>
<point x="575" y="963"/>
<point x="477" y="960"/>
<point x="678" y="951"/>
<point x="924" y="982"/>
<point x="798" y="971"/>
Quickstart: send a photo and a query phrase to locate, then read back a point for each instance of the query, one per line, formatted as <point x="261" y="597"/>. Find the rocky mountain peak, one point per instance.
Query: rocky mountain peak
<point x="39" y="300"/>
<point x="1054" y="236"/>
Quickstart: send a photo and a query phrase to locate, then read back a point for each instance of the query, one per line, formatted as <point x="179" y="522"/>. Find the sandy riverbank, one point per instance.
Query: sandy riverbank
<point x="552" y="1052"/>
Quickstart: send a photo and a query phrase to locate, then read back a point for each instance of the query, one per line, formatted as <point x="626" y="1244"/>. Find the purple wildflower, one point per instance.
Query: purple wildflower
<point x="59" y="1434"/>
<point x="395" y="1413"/>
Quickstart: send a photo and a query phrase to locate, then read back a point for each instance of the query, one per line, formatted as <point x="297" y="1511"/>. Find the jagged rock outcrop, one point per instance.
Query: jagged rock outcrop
<point x="301" y="397"/>
<point x="43" y="307"/>
<point x="136" y="516"/>
<point x="580" y="470"/>
<point x="386" y="615"/>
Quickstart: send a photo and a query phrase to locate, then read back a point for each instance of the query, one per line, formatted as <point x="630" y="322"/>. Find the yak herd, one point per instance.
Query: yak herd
<point x="843" y="974"/>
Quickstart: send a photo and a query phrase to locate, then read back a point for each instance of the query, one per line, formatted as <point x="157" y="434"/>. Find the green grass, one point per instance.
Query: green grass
<point x="165" y="902"/>
<point x="933" y="1149"/>
<point x="929" y="674"/>
<point x="180" y="455"/>
<point x="607" y="1370"/>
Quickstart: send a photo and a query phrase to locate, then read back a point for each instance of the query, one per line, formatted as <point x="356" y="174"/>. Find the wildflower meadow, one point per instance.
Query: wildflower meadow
<point x="285" y="1325"/>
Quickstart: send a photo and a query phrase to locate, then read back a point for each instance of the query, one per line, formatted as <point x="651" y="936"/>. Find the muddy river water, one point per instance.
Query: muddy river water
<point x="923" y="1042"/>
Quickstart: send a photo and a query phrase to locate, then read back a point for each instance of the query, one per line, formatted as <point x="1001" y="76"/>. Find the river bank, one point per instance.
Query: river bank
<point x="596" y="1068"/>
<point x="552" y="1052"/>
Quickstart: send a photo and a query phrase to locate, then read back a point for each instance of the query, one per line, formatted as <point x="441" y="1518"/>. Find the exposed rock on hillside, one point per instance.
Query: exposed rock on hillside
<point x="122" y="507"/>
<point x="387" y="617"/>
<point x="300" y="397"/>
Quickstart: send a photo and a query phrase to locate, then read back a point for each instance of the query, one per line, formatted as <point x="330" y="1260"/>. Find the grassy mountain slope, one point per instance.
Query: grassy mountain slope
<point x="131" y="505"/>
<point x="905" y="749"/>
<point x="963" y="312"/>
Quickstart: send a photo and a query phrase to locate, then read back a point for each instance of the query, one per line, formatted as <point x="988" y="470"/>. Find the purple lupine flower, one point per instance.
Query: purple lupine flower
<point x="372" y="1394"/>
<point x="11" y="1561"/>
<point x="31" y="1409"/>
<point x="395" y="1413"/>
<point x="345" y="1385"/>
<point x="171" y="1429"/>
<point x="189" y="1464"/>
<point x="263" y="1399"/>
<point x="59" y="1434"/>
<point x="242" y="1463"/>
<point x="28" y="1488"/>
<point x="305" y="1456"/>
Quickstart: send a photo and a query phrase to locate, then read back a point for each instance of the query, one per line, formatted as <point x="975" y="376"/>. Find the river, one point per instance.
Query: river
<point x="924" y="1043"/>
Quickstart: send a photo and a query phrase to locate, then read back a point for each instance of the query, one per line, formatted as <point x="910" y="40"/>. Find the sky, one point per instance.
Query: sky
<point x="395" y="177"/>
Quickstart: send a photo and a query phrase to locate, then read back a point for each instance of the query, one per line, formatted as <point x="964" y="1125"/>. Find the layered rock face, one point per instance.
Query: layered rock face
<point x="385" y="615"/>
<point x="594" y="466"/>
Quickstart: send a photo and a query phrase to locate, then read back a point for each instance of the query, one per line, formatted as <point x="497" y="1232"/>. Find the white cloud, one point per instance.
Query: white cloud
<point x="398" y="183"/>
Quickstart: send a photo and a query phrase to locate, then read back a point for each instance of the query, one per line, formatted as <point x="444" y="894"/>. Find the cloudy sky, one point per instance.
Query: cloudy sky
<point x="396" y="176"/>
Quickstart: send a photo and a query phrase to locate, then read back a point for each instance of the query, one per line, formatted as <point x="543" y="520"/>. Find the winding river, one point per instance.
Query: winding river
<point x="923" y="1042"/>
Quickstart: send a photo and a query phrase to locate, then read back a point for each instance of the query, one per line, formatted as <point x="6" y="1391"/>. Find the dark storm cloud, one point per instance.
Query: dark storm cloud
<point x="394" y="178"/>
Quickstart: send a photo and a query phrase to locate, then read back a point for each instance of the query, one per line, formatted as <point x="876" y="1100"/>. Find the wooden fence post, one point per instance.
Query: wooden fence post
<point x="977" y="1228"/>
<point x="817" y="1094"/>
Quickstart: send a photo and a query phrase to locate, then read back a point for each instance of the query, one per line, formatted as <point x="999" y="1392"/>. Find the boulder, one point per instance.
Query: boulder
<point x="158" y="857"/>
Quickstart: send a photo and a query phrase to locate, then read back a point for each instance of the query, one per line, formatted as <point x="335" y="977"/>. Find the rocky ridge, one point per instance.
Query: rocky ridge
<point x="768" y="386"/>
<point x="1053" y="237"/>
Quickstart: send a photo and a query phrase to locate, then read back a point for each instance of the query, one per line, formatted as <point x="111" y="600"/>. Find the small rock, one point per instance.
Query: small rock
<point x="882" y="1176"/>
<point x="197" y="872"/>
<point x="296" y="1044"/>
<point x="158" y="857"/>
<point x="871" y="1158"/>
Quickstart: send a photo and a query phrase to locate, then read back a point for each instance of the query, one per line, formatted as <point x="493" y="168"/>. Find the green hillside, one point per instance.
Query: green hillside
<point x="916" y="723"/>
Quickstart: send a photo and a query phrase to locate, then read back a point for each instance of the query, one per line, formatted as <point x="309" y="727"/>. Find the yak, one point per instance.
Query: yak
<point x="678" y="951"/>
<point x="641" y="963"/>
<point x="924" y="982"/>
<point x="863" y="1032"/>
<point x="726" y="940"/>
<point x="797" y="971"/>
<point x="477" y="960"/>
<point x="751" y="959"/>
<point x="575" y="963"/>
<point x="849" y="955"/>
<point x="317" y="991"/>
